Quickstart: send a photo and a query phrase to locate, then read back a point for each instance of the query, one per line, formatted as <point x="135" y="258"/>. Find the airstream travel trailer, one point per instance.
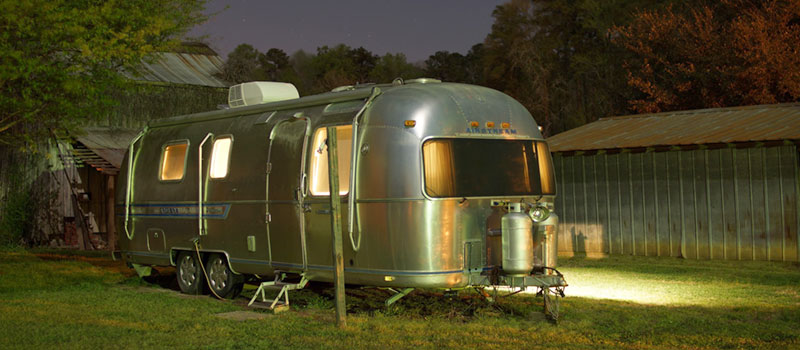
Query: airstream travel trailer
<point x="443" y="186"/>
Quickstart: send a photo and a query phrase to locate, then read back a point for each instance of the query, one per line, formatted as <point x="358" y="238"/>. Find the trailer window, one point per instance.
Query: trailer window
<point x="487" y="167"/>
<point x="173" y="161"/>
<point x="318" y="183"/>
<point x="220" y="154"/>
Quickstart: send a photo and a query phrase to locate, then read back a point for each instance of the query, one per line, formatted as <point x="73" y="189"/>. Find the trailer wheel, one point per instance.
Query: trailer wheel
<point x="190" y="274"/>
<point x="221" y="279"/>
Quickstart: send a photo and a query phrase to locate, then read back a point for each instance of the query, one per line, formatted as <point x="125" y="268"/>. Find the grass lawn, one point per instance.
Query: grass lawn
<point x="69" y="300"/>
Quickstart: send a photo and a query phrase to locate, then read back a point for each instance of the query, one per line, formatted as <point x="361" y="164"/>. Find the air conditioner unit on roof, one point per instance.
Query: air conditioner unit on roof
<point x="258" y="92"/>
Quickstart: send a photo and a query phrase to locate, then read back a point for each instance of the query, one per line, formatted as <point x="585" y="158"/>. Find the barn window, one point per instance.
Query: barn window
<point x="319" y="184"/>
<point x="220" y="154"/>
<point x="173" y="161"/>
<point x="487" y="167"/>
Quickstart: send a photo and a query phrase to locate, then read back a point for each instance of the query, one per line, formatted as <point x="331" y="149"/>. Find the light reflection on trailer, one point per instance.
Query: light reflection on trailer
<point x="446" y="186"/>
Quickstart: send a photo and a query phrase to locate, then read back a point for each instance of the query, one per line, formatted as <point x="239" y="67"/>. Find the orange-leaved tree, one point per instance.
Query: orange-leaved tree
<point x="733" y="52"/>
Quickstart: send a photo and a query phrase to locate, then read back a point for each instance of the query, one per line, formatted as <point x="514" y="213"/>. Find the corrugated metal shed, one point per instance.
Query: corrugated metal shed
<point x="731" y="190"/>
<point x="707" y="126"/>
<point x="200" y="68"/>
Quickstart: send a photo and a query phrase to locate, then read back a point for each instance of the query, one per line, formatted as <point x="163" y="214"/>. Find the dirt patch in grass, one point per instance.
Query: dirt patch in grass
<point x="80" y="302"/>
<point x="116" y="266"/>
<point x="242" y="315"/>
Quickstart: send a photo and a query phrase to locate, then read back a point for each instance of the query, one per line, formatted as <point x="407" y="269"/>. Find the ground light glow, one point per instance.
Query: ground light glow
<point x="672" y="282"/>
<point x="642" y="292"/>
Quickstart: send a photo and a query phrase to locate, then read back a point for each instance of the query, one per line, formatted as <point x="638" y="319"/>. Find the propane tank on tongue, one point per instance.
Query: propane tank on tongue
<point x="517" y="232"/>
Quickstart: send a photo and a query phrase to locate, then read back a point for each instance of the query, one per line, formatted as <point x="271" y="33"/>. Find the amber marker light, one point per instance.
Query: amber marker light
<point x="505" y="125"/>
<point x="474" y="124"/>
<point x="410" y="123"/>
<point x="489" y="124"/>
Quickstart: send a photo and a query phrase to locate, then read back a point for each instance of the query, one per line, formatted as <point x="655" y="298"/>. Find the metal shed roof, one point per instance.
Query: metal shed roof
<point x="103" y="148"/>
<point x="695" y="127"/>
<point x="194" y="67"/>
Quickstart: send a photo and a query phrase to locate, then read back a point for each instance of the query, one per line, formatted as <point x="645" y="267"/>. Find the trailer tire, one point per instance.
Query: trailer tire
<point x="221" y="279"/>
<point x="189" y="274"/>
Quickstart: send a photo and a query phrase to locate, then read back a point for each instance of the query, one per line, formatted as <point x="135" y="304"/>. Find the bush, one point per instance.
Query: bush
<point x="16" y="212"/>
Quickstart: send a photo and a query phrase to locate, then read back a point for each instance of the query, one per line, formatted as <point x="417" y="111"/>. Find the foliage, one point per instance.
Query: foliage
<point x="329" y="68"/>
<point x="59" y="59"/>
<point x="139" y="103"/>
<point x="572" y="62"/>
<point x="65" y="301"/>
<point x="241" y="65"/>
<point x="340" y="65"/>
<point x="455" y="67"/>
<point x="274" y="63"/>
<point x="17" y="208"/>
<point x="557" y="58"/>
<point x="393" y="66"/>
<point x="727" y="53"/>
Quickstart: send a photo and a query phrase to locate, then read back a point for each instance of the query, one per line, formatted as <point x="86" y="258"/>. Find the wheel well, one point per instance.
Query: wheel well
<point x="173" y="256"/>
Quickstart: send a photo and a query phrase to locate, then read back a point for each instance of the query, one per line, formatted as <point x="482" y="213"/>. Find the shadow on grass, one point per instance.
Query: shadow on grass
<point x="102" y="261"/>
<point x="462" y="306"/>
<point x="163" y="277"/>
<point x="425" y="319"/>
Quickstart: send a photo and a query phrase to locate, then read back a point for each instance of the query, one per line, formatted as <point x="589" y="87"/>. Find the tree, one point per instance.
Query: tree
<point x="364" y="62"/>
<point x="242" y="65"/>
<point x="60" y="58"/>
<point x="393" y="66"/>
<point x="557" y="58"/>
<point x="333" y="67"/>
<point x="455" y="67"/>
<point x="447" y="66"/>
<point x="303" y="72"/>
<point x="341" y="65"/>
<point x="730" y="53"/>
<point x="273" y="65"/>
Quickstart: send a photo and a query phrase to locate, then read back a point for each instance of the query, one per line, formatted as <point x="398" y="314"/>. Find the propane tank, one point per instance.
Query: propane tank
<point x="551" y="240"/>
<point x="517" y="236"/>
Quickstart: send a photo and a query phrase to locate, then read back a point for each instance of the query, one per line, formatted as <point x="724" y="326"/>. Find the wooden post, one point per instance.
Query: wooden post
<point x="336" y="228"/>
<point x="110" y="215"/>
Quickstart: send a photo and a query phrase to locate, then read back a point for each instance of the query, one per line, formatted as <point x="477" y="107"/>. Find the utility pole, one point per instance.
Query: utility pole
<point x="336" y="228"/>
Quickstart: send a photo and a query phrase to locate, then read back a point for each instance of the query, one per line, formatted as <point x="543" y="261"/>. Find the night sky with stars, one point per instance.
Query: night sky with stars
<point x="417" y="28"/>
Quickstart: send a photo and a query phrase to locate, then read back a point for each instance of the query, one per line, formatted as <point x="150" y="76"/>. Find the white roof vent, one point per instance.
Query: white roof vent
<point x="258" y="92"/>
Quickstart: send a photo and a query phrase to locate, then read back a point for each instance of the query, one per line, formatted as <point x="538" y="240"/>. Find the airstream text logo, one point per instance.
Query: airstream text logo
<point x="210" y="210"/>
<point x="166" y="211"/>
<point x="491" y="131"/>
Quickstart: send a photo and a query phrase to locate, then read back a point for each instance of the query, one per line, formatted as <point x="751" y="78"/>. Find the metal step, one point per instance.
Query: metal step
<point x="284" y="287"/>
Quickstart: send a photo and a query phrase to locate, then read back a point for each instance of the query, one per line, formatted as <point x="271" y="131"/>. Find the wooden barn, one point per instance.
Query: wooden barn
<point x="701" y="184"/>
<point x="73" y="183"/>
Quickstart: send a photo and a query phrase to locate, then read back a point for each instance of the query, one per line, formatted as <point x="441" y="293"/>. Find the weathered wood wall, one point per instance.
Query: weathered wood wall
<point x="725" y="203"/>
<point x="48" y="179"/>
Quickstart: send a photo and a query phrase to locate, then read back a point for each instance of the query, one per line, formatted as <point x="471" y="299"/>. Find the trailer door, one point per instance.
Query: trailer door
<point x="286" y="187"/>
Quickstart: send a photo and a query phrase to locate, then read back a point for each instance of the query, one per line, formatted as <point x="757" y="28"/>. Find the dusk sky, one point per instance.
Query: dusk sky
<point x="417" y="28"/>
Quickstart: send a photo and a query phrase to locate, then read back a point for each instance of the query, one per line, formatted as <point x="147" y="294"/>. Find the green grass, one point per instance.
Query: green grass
<point x="53" y="299"/>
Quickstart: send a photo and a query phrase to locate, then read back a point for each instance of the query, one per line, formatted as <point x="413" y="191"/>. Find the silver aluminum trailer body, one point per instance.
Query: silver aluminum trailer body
<point x="412" y="226"/>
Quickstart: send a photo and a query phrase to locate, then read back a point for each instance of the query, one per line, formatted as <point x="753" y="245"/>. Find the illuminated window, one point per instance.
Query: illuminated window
<point x="173" y="161"/>
<point x="318" y="183"/>
<point x="219" y="158"/>
<point x="438" y="161"/>
<point x="487" y="167"/>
